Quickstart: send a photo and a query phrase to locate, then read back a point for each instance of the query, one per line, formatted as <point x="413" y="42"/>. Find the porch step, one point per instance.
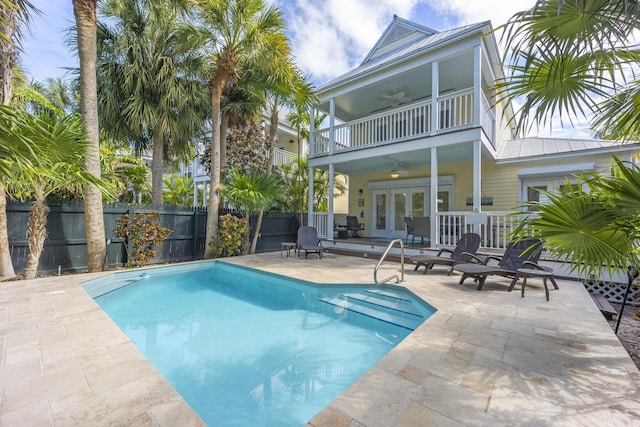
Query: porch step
<point x="384" y="307"/>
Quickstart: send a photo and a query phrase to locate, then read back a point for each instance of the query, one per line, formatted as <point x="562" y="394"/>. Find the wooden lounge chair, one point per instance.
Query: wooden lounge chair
<point x="308" y="241"/>
<point x="353" y="226"/>
<point x="467" y="246"/>
<point x="521" y="254"/>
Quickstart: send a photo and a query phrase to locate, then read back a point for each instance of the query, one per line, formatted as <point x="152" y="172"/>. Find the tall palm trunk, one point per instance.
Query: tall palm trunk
<point x="273" y="137"/>
<point x="7" y="61"/>
<point x="6" y="265"/>
<point x="8" y="53"/>
<point x="86" y="26"/>
<point x="254" y="241"/>
<point x="157" y="163"/>
<point x="214" y="202"/>
<point x="37" y="234"/>
<point x="224" y="125"/>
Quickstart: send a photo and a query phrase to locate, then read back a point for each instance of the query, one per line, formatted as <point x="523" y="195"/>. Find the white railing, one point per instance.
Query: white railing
<point x="283" y="157"/>
<point x="494" y="232"/>
<point x="455" y="110"/>
<point x="320" y="220"/>
<point x="405" y="122"/>
<point x="488" y="120"/>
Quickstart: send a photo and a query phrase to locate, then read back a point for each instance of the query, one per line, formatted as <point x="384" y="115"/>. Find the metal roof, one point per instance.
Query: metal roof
<point x="404" y="51"/>
<point x="532" y="147"/>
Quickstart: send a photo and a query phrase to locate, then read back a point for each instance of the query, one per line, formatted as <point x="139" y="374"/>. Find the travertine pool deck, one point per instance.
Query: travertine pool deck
<point x="485" y="358"/>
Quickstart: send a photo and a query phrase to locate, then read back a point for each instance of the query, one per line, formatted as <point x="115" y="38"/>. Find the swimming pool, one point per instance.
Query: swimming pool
<point x="245" y="347"/>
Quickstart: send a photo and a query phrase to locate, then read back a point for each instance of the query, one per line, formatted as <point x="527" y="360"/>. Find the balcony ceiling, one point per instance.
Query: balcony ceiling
<point x="459" y="153"/>
<point x="455" y="74"/>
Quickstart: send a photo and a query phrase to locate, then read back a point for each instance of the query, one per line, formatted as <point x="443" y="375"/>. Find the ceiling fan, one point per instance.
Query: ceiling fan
<point x="397" y="171"/>
<point x="396" y="98"/>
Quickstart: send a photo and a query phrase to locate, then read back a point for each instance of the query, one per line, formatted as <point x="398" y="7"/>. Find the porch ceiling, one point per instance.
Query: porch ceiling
<point x="404" y="160"/>
<point x="356" y="99"/>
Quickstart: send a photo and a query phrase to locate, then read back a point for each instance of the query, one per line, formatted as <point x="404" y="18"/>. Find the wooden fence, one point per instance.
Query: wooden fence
<point x="65" y="249"/>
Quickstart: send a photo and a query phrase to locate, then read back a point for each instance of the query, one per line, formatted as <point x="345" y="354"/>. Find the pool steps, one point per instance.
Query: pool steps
<point x="381" y="305"/>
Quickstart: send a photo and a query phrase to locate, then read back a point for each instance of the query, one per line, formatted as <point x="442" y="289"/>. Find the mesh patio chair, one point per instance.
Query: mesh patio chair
<point x="467" y="245"/>
<point x="309" y="242"/>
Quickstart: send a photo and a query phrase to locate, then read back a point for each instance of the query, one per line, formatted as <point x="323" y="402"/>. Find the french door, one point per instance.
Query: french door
<point x="391" y="205"/>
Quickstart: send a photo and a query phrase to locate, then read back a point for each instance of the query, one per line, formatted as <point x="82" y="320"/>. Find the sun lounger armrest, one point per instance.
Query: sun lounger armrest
<point x="533" y="265"/>
<point x="471" y="258"/>
<point x="491" y="257"/>
<point x="444" y="250"/>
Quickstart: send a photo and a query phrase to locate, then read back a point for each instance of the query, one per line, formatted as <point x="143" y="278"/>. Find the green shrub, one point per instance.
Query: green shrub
<point x="232" y="232"/>
<point x="141" y="236"/>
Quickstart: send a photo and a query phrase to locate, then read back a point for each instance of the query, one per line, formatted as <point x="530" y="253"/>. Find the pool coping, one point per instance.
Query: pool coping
<point x="484" y="358"/>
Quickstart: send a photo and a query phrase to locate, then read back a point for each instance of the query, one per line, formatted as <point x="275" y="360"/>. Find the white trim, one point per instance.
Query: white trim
<point x="413" y="182"/>
<point x="556" y="170"/>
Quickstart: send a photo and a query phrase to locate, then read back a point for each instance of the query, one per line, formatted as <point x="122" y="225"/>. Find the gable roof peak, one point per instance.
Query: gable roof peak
<point x="398" y="32"/>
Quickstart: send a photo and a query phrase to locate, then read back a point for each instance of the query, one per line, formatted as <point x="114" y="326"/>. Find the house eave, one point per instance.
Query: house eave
<point x="478" y="28"/>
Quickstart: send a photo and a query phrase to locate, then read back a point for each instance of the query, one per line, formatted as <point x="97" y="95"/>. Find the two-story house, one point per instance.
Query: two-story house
<point x="418" y="131"/>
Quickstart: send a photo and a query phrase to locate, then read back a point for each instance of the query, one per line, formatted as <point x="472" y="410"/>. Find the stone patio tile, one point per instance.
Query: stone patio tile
<point x="113" y="406"/>
<point x="513" y="407"/>
<point x="175" y="413"/>
<point x="41" y="388"/>
<point x="331" y="417"/>
<point x="459" y="403"/>
<point x="116" y="375"/>
<point x="22" y="352"/>
<point x="20" y="371"/>
<point x="378" y="398"/>
<point x="34" y="414"/>
<point x="42" y="335"/>
<point x="416" y="415"/>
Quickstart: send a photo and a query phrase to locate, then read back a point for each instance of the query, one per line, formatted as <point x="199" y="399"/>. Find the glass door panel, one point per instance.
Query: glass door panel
<point x="379" y="210"/>
<point x="399" y="209"/>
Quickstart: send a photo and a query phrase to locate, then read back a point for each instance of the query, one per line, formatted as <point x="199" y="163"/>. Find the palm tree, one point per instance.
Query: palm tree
<point x="86" y="29"/>
<point x="564" y="55"/>
<point x="151" y="90"/>
<point x="252" y="192"/>
<point x="14" y="17"/>
<point x="236" y="32"/>
<point x="178" y="191"/>
<point x="64" y="143"/>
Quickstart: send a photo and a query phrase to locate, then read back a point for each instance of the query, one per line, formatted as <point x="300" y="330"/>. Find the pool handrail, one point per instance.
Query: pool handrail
<point x="395" y="276"/>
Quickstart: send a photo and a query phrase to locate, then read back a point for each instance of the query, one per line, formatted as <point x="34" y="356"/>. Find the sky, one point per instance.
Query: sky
<point x="328" y="37"/>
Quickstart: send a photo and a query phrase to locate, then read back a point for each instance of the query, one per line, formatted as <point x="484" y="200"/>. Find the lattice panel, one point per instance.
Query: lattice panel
<point x="614" y="292"/>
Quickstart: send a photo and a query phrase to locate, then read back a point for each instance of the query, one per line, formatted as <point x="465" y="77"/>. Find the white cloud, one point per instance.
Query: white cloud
<point x="498" y="11"/>
<point x="330" y="37"/>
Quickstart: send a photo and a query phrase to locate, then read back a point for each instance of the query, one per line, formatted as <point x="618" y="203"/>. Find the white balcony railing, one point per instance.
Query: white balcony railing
<point x="494" y="232"/>
<point x="283" y="157"/>
<point x="455" y="110"/>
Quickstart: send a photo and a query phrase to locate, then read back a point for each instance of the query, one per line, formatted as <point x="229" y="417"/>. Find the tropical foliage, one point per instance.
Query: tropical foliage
<point x="178" y="191"/>
<point x="251" y="191"/>
<point x="573" y="58"/>
<point x="152" y="94"/>
<point x="142" y="235"/>
<point x="236" y="35"/>
<point x="62" y="145"/>
<point x="570" y="58"/>
<point x="233" y="234"/>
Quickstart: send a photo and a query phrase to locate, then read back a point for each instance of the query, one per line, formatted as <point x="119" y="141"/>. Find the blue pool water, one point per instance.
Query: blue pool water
<point x="247" y="348"/>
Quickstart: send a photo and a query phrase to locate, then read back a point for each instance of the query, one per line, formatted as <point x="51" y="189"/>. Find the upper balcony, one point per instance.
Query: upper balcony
<point x="455" y="111"/>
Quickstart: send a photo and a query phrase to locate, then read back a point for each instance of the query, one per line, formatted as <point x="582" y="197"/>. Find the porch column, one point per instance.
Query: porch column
<point x="312" y="129"/>
<point x="435" y="90"/>
<point x="477" y="84"/>
<point x="477" y="181"/>
<point x="330" y="204"/>
<point x="433" y="198"/>
<point x="332" y="122"/>
<point x="310" y="195"/>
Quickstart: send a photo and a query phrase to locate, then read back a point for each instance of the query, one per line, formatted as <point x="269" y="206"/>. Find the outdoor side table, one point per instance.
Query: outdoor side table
<point x="287" y="246"/>
<point x="545" y="274"/>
